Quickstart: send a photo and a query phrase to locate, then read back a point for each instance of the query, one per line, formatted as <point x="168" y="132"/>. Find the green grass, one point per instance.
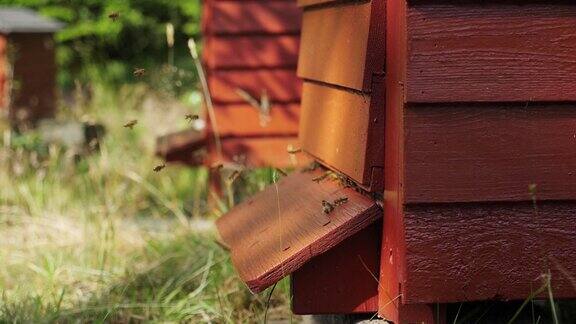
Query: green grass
<point x="104" y="238"/>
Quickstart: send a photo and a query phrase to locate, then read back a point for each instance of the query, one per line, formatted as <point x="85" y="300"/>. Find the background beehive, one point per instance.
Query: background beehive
<point x="252" y="46"/>
<point x="28" y="65"/>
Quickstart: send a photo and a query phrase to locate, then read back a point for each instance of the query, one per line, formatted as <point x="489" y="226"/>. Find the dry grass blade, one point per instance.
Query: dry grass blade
<point x="207" y="95"/>
<point x="533" y="295"/>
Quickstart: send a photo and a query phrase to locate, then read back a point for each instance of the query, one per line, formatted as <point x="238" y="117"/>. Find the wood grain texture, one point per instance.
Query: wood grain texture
<point x="343" y="129"/>
<point x="308" y="3"/>
<point x="317" y="287"/>
<point x="282" y="85"/>
<point x="334" y="45"/>
<point x="274" y="233"/>
<point x="254" y="152"/>
<point x="490" y="152"/>
<point x="392" y="269"/>
<point x="469" y="252"/>
<point x="242" y="120"/>
<point x="256" y="51"/>
<point x="252" y="17"/>
<point x="469" y="51"/>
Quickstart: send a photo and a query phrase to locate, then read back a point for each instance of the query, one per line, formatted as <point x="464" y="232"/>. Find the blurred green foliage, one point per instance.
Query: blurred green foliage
<point x="93" y="47"/>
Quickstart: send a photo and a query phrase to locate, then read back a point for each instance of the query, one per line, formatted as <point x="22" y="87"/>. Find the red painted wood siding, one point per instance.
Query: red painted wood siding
<point x="328" y="285"/>
<point x="248" y="51"/>
<point x="252" y="17"/>
<point x="253" y="46"/>
<point x="479" y="107"/>
<point x="494" y="51"/>
<point x="490" y="152"/>
<point x="281" y="85"/>
<point x="342" y="60"/>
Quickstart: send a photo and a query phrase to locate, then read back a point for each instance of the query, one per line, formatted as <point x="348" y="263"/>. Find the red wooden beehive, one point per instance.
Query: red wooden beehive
<point x="250" y="47"/>
<point x="476" y="141"/>
<point x="27" y="65"/>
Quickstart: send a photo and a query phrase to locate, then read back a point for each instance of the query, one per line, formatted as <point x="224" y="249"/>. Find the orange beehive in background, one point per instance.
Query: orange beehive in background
<point x="27" y="65"/>
<point x="250" y="53"/>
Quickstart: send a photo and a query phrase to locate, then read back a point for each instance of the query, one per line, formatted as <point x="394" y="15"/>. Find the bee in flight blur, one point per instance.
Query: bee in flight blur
<point x="138" y="72"/>
<point x="114" y="16"/>
<point x="191" y="117"/>
<point x="131" y="124"/>
<point x="159" y="168"/>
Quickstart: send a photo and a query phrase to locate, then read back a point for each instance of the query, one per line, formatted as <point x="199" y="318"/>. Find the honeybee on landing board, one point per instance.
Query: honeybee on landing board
<point x="327" y="207"/>
<point x="341" y="201"/>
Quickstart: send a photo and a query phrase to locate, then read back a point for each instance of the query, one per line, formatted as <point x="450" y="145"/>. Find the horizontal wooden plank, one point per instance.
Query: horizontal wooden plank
<point x="467" y="51"/>
<point x="317" y="287"/>
<point x="278" y="230"/>
<point x="343" y="129"/>
<point x="256" y="152"/>
<point x="254" y="51"/>
<point x="252" y="17"/>
<point x="470" y="252"/>
<point x="281" y="85"/>
<point x="181" y="146"/>
<point x="245" y="120"/>
<point x="489" y="152"/>
<point x="334" y="45"/>
<point x="307" y="3"/>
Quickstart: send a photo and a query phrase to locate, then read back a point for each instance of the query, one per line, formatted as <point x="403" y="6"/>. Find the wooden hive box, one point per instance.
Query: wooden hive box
<point x="342" y="65"/>
<point x="27" y="66"/>
<point x="250" y="47"/>
<point x="477" y="150"/>
<point x="480" y="156"/>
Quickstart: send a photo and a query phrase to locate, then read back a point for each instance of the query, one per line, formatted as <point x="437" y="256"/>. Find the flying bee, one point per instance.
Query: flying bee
<point x="327" y="207"/>
<point x="139" y="72"/>
<point x="341" y="201"/>
<point x="292" y="150"/>
<point x="131" y="124"/>
<point x="114" y="16"/>
<point x="191" y="117"/>
<point x="235" y="175"/>
<point x="217" y="167"/>
<point x="159" y="168"/>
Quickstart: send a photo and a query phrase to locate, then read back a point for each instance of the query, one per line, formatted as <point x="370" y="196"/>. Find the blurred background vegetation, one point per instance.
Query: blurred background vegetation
<point x="94" y="48"/>
<point x="101" y="237"/>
